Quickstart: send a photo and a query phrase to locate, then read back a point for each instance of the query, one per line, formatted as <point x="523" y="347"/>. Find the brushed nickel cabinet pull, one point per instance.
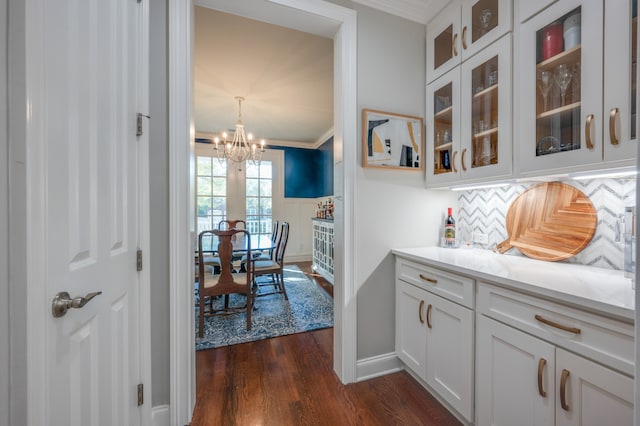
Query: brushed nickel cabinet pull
<point x="587" y="131"/>
<point x="612" y="126"/>
<point x="464" y="151"/>
<point x="464" y="37"/>
<point x="429" y="315"/>
<point x="420" y="312"/>
<point x="541" y="364"/>
<point x="556" y="325"/>
<point x="563" y="389"/>
<point x="431" y="280"/>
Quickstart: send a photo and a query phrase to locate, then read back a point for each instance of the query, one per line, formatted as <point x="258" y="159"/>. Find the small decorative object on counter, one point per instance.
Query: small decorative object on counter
<point x="450" y="229"/>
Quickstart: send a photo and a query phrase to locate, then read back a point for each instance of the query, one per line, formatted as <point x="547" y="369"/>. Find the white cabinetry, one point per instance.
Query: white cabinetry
<point x="566" y="123"/>
<point x="323" y="248"/>
<point x="532" y="378"/>
<point x="434" y="336"/>
<point x="462" y="29"/>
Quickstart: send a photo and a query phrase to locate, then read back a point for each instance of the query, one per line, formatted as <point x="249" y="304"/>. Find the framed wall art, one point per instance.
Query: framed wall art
<point x="392" y="141"/>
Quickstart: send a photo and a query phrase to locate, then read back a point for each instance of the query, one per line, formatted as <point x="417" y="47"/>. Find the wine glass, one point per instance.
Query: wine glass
<point x="563" y="78"/>
<point x="544" y="84"/>
<point x="485" y="18"/>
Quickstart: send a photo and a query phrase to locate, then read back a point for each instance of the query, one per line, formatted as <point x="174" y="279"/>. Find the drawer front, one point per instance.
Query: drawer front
<point x="453" y="287"/>
<point x="604" y="340"/>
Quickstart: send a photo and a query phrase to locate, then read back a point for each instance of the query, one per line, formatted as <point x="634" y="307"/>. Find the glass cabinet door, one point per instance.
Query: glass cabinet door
<point x="483" y="22"/>
<point x="443" y="128"/>
<point x="443" y="42"/>
<point x="620" y="79"/>
<point x="486" y="112"/>
<point x="560" y="89"/>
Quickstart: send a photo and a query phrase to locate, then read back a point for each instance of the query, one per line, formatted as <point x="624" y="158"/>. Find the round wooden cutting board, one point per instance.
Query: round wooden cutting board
<point x="550" y="221"/>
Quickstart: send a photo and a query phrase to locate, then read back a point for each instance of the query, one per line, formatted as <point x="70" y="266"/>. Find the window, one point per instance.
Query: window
<point x="259" y="202"/>
<point x="211" y="192"/>
<point x="255" y="194"/>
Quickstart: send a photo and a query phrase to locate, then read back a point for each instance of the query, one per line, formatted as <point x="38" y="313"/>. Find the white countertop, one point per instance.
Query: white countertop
<point x="604" y="291"/>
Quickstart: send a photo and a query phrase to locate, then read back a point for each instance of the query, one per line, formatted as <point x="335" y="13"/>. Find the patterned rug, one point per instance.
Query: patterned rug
<point x="309" y="308"/>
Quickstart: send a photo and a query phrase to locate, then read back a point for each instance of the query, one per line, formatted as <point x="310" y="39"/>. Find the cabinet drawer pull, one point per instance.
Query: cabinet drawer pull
<point x="455" y="44"/>
<point x="587" y="131"/>
<point x="431" y="280"/>
<point x="563" y="389"/>
<point x="453" y="162"/>
<point x="464" y="37"/>
<point x="556" y="325"/>
<point x="420" y="312"/>
<point x="541" y="364"/>
<point x="429" y="315"/>
<point x="464" y="166"/>
<point x="612" y="126"/>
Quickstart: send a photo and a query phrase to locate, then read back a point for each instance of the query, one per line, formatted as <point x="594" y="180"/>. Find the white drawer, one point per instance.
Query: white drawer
<point x="602" y="339"/>
<point x="453" y="287"/>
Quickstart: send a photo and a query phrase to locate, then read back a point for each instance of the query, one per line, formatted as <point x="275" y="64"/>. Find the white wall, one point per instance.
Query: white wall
<point x="393" y="208"/>
<point x="4" y="225"/>
<point x="298" y="212"/>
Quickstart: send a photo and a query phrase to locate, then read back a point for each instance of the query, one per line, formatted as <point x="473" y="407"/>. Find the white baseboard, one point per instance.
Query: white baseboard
<point x="160" y="415"/>
<point x="376" y="366"/>
<point x="297" y="258"/>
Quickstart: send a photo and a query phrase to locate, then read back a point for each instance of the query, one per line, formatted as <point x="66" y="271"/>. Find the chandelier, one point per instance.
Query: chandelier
<point x="240" y="148"/>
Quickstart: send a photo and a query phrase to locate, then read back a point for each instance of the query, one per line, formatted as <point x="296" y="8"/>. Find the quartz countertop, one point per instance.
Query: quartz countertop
<point x="603" y="291"/>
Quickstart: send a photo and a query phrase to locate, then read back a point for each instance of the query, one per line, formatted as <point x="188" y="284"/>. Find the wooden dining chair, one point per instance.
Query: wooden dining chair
<point x="232" y="224"/>
<point x="226" y="282"/>
<point x="273" y="267"/>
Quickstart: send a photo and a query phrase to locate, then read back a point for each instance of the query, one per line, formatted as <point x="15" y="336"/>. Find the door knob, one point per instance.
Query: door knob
<point x="62" y="302"/>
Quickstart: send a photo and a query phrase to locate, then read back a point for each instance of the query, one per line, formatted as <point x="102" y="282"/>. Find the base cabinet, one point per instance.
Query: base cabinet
<point x="434" y="338"/>
<point x="524" y="380"/>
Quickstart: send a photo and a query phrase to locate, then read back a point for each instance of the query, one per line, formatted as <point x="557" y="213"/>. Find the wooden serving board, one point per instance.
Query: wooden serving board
<point x="550" y="221"/>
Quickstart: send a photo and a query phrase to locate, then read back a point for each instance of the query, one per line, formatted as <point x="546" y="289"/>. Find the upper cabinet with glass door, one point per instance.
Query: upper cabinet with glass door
<point x="583" y="50"/>
<point x="469" y="117"/>
<point x="462" y="29"/>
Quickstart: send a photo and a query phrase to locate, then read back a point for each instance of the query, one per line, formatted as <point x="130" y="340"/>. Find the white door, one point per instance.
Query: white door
<point x="84" y="83"/>
<point x="514" y="376"/>
<point x="450" y="352"/>
<point x="591" y="394"/>
<point x="411" y="337"/>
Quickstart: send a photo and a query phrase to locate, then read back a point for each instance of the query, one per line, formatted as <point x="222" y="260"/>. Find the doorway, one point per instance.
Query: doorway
<point x="313" y="16"/>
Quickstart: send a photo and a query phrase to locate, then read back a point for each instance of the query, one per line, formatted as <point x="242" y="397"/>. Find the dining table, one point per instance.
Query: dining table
<point x="260" y="242"/>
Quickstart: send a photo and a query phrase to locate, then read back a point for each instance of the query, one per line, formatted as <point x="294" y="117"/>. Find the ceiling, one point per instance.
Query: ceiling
<point x="284" y="74"/>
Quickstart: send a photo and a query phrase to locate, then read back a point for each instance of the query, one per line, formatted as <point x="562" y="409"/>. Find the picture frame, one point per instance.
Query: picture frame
<point x="392" y="141"/>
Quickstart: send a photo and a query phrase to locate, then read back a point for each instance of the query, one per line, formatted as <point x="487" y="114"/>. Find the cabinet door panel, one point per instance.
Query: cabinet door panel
<point x="411" y="337"/>
<point x="443" y="42"/>
<point x="594" y="395"/>
<point x="450" y="353"/>
<point x="483" y="22"/>
<point x="507" y="364"/>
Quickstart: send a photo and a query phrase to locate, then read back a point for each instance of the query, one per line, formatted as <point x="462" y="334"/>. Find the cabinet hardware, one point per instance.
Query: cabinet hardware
<point x="429" y="315"/>
<point x="563" y="389"/>
<point x="556" y="325"/>
<point x="464" y="151"/>
<point x="612" y="126"/>
<point x="431" y="280"/>
<point x="455" y="43"/>
<point x="453" y="162"/>
<point x="420" y="312"/>
<point x="464" y="37"/>
<point x="587" y="131"/>
<point x="541" y="364"/>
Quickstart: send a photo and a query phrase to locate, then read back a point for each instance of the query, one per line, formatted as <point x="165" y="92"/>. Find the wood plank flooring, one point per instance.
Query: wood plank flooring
<point x="289" y="380"/>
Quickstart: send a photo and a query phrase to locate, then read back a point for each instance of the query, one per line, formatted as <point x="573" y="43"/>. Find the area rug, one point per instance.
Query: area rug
<point x="309" y="308"/>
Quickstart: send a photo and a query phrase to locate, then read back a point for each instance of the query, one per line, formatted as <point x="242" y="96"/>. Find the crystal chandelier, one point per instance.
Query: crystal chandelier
<point x="240" y="148"/>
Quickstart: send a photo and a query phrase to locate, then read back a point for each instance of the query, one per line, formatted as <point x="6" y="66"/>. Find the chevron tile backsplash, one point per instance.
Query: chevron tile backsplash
<point x="484" y="210"/>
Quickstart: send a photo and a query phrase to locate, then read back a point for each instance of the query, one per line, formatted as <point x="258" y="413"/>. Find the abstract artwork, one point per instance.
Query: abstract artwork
<point x="392" y="141"/>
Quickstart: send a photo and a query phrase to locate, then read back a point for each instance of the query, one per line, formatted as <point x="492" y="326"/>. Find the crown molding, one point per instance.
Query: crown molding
<point x="413" y="10"/>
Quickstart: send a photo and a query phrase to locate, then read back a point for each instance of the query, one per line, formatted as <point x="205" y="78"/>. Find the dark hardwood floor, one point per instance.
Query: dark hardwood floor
<point x="289" y="380"/>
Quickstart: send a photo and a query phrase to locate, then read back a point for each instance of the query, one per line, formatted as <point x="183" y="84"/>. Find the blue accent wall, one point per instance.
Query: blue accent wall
<point x="308" y="173"/>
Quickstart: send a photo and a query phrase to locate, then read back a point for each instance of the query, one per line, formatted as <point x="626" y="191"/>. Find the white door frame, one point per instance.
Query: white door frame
<point x="182" y="339"/>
